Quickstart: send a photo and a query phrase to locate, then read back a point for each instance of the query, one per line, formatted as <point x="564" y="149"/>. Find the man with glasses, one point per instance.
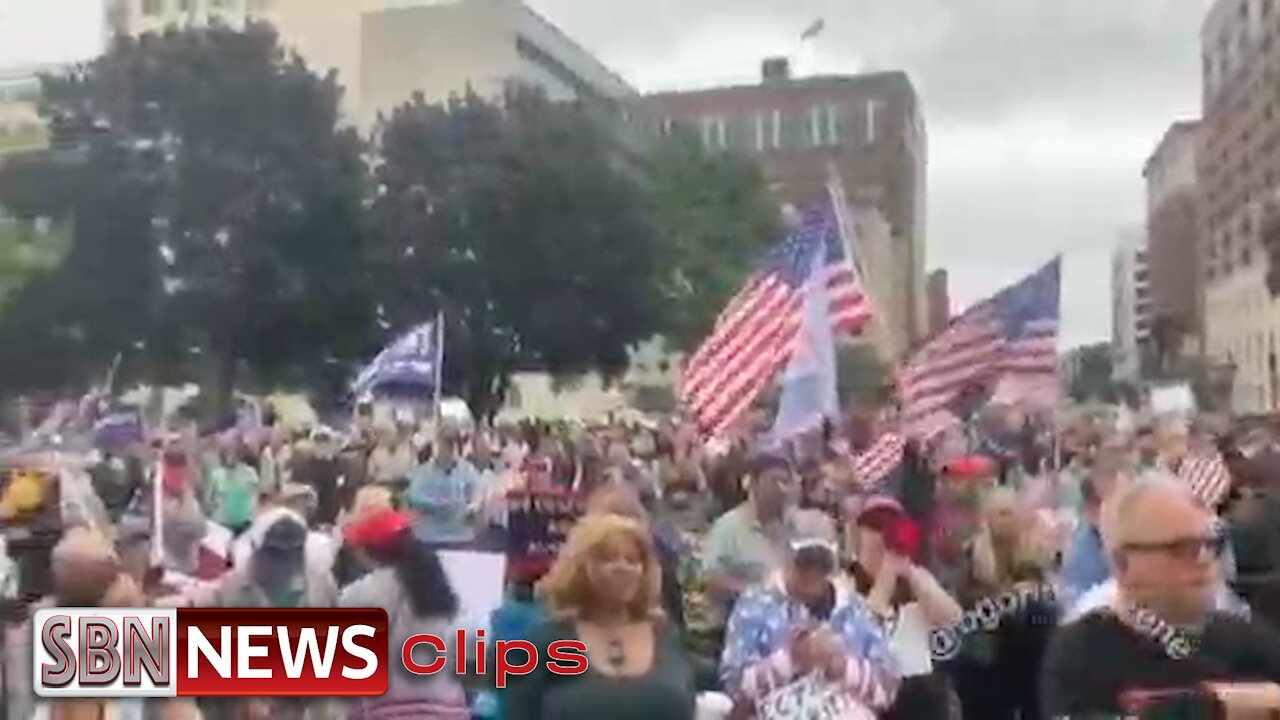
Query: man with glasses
<point x="1161" y="631"/>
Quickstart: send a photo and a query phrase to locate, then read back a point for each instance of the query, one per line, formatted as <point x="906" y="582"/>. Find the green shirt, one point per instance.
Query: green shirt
<point x="235" y="495"/>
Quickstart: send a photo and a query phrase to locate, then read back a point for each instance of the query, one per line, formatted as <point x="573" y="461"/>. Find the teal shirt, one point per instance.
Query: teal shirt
<point x="235" y="494"/>
<point x="443" y="498"/>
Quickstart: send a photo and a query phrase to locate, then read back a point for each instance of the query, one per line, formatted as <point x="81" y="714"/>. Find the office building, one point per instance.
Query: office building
<point x="1130" y="306"/>
<point x="1173" y="234"/>
<point x="1238" y="170"/>
<point x="385" y="51"/>
<point x="869" y="128"/>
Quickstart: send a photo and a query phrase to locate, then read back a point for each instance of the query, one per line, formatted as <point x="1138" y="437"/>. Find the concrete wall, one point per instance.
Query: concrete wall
<point x="437" y="50"/>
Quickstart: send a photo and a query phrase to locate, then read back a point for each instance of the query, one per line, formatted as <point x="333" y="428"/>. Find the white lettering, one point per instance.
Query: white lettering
<point x="308" y="645"/>
<point x="349" y="644"/>
<point x="246" y="651"/>
<point x="198" y="645"/>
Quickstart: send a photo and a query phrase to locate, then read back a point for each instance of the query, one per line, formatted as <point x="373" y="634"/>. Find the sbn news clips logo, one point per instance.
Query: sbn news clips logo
<point x="240" y="652"/>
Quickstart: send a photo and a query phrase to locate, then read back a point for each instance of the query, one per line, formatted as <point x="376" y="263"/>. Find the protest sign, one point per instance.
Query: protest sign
<point x="810" y="698"/>
<point x="538" y="520"/>
<point x="1173" y="400"/>
<point x="478" y="578"/>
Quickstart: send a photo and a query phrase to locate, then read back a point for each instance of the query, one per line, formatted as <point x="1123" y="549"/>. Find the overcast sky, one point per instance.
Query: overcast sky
<point x="1040" y="113"/>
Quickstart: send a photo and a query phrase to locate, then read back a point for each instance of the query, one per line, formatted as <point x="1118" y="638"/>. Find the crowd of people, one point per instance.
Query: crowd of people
<point x="999" y="572"/>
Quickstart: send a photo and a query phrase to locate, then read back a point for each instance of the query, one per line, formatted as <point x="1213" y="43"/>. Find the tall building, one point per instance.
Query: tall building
<point x="1173" y="231"/>
<point x="938" y="301"/>
<point x="868" y="127"/>
<point x="1238" y="170"/>
<point x="385" y="51"/>
<point x="1130" y="305"/>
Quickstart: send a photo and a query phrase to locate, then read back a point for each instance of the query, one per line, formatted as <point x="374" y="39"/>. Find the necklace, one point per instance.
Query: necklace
<point x="615" y="653"/>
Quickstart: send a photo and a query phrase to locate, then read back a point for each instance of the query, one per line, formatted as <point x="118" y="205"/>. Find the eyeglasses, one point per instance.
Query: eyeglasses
<point x="1185" y="549"/>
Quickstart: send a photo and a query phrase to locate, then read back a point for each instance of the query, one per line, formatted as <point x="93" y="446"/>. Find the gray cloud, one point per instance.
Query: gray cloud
<point x="1040" y="112"/>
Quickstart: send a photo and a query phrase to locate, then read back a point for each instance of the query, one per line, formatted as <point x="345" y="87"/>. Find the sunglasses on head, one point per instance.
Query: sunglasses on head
<point x="1183" y="548"/>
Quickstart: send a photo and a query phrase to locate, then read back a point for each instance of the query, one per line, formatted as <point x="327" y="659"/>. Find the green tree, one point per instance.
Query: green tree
<point x="27" y="250"/>
<point x="863" y="379"/>
<point x="1093" y="378"/>
<point x="714" y="217"/>
<point x="525" y="225"/>
<point x="65" y="325"/>
<point x="232" y="201"/>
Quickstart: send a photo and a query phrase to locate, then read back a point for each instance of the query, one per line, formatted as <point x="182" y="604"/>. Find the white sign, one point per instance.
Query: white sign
<point x="478" y="578"/>
<point x="1172" y="400"/>
<point x="810" y="698"/>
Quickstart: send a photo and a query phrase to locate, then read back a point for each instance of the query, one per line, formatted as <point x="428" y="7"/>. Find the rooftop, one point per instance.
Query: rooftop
<point x="891" y="78"/>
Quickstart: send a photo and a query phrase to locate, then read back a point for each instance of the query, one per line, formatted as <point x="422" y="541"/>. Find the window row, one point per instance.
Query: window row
<point x="766" y="130"/>
<point x="159" y="8"/>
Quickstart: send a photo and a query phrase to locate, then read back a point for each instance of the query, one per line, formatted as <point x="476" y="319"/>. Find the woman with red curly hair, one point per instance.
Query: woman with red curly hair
<point x="605" y="590"/>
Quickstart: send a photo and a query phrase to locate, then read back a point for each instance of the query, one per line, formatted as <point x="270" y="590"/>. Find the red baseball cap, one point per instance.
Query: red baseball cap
<point x="379" y="529"/>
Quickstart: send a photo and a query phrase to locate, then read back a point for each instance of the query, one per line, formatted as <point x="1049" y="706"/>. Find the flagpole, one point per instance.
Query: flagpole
<point x="439" y="379"/>
<point x="157" y="514"/>
<point x="857" y="256"/>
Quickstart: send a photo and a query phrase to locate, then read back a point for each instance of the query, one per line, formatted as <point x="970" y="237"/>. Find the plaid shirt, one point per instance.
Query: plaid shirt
<point x="756" y="660"/>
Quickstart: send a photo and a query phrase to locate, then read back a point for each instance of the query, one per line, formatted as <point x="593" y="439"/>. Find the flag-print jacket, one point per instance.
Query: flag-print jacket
<point x="756" y="659"/>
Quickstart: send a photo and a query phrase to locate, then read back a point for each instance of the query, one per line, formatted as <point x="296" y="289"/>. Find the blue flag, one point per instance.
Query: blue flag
<point x="411" y="363"/>
<point x="809" y="384"/>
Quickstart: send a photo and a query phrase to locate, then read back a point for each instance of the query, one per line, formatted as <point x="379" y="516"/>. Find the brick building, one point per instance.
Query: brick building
<point x="1238" y="171"/>
<point x="869" y="127"/>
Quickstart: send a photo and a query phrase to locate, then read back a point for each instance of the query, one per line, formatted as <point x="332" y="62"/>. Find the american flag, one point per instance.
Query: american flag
<point x="1207" y="476"/>
<point x="756" y="334"/>
<point x="1012" y="334"/>
<point x="875" y="463"/>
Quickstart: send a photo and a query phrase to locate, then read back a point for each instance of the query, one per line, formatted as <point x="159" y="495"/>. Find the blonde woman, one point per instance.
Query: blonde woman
<point x="1010" y="548"/>
<point x="1010" y="563"/>
<point x="604" y="590"/>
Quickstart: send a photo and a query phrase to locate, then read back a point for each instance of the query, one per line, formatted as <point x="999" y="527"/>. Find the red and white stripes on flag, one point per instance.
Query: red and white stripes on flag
<point x="961" y="355"/>
<point x="755" y="336"/>
<point x="876" y="462"/>
<point x="1207" y="476"/>
<point x="1011" y="338"/>
<point x="930" y="427"/>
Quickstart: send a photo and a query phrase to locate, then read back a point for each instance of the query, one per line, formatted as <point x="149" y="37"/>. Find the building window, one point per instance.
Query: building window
<point x="715" y="132"/>
<point x="760" y="134"/>
<point x="873" y="117"/>
<point x="816" y="134"/>
<point x="153" y="7"/>
<point x="777" y="129"/>
<point x="666" y="126"/>
<point x="833" y="125"/>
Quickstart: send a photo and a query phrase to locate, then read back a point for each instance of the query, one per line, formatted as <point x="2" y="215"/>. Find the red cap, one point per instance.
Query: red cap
<point x="973" y="466"/>
<point x="378" y="529"/>
<point x="885" y="515"/>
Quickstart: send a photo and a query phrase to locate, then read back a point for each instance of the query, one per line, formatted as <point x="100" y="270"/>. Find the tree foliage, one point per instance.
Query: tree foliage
<point x="714" y="217"/>
<point x="217" y="206"/>
<point x="28" y="249"/>
<point x="526" y="225"/>
<point x="863" y="378"/>
<point x="1093" y="379"/>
